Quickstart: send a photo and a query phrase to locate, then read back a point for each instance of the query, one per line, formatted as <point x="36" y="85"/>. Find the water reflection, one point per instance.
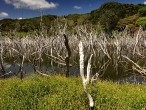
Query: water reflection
<point x="74" y="71"/>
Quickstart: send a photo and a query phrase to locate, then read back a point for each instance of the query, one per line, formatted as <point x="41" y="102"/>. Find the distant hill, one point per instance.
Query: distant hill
<point x="110" y="16"/>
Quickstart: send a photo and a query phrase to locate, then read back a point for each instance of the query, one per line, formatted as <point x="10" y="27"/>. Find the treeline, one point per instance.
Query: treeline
<point x="110" y="16"/>
<point x="114" y="15"/>
<point x="26" y="25"/>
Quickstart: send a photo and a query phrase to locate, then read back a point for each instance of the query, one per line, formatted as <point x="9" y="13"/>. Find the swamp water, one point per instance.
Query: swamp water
<point x="74" y="71"/>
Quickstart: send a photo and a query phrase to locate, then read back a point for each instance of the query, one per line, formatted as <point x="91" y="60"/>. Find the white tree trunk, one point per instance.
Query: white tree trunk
<point x="85" y="80"/>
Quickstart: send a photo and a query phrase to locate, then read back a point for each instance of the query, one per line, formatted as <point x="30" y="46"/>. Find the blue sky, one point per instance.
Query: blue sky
<point x="31" y="8"/>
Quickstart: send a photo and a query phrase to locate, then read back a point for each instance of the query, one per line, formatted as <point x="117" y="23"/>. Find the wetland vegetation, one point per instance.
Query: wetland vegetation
<point x="105" y="51"/>
<point x="61" y="93"/>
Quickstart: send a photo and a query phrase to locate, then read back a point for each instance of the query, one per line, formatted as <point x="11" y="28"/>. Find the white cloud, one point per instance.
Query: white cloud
<point x="20" y="18"/>
<point x="3" y="14"/>
<point x="145" y="2"/>
<point x="32" y="4"/>
<point x="77" y="7"/>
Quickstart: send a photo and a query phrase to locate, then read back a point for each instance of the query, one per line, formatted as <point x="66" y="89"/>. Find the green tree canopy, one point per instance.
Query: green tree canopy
<point x="108" y="20"/>
<point x="128" y="21"/>
<point x="142" y="11"/>
<point x="141" y="22"/>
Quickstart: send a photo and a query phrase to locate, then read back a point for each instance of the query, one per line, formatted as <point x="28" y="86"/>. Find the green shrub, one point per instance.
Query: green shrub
<point x="142" y="11"/>
<point x="129" y="21"/>
<point x="141" y="22"/>
<point x="60" y="93"/>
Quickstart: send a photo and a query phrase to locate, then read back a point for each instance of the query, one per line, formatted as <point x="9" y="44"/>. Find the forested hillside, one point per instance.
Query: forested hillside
<point x="110" y="16"/>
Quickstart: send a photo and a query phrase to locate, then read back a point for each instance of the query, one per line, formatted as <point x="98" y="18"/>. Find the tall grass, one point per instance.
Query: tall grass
<point x="60" y="93"/>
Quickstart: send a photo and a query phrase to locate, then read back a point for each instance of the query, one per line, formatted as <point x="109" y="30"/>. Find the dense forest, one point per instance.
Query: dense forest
<point x="110" y="16"/>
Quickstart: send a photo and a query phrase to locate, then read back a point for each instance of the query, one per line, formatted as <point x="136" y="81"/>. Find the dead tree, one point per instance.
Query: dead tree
<point x="4" y="73"/>
<point x="68" y="54"/>
<point x="1" y="61"/>
<point x="21" y="65"/>
<point x="85" y="80"/>
<point x="21" y="71"/>
<point x="141" y="71"/>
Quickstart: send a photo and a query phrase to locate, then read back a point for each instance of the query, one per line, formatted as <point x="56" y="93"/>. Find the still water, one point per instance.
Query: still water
<point x="74" y="71"/>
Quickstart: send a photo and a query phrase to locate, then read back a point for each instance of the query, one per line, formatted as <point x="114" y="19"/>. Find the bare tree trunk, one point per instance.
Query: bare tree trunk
<point x="1" y="62"/>
<point x="85" y="80"/>
<point x="52" y="55"/>
<point x="136" y="67"/>
<point x="68" y="55"/>
<point x="34" y="65"/>
<point x="21" y="72"/>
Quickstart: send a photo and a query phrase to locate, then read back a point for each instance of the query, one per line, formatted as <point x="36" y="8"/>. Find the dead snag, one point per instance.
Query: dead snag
<point x="42" y="74"/>
<point x="136" y="67"/>
<point x="85" y="79"/>
<point x="68" y="54"/>
<point x="21" y="72"/>
<point x="1" y="61"/>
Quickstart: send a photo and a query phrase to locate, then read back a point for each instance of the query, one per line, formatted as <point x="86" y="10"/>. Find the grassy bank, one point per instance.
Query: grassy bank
<point x="60" y="93"/>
